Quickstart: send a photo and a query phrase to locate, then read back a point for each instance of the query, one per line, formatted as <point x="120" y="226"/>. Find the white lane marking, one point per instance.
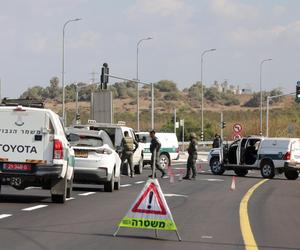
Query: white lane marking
<point x="2" y="216"/>
<point x="86" y="194"/>
<point x="175" y="195"/>
<point x="180" y="168"/>
<point x="206" y="237"/>
<point x="33" y="188"/>
<point x="139" y="182"/>
<point x="71" y="198"/>
<point x="211" y="180"/>
<point x="125" y="185"/>
<point x="34" y="208"/>
<point x="177" y="174"/>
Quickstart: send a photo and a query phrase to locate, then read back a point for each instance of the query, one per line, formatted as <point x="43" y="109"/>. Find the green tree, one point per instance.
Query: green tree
<point x="166" y="86"/>
<point x="35" y="93"/>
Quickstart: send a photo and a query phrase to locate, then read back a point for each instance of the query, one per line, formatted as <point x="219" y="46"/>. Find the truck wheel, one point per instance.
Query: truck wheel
<point x="59" y="191"/>
<point x="109" y="186"/>
<point x="241" y="172"/>
<point x="164" y="161"/>
<point x="69" y="188"/>
<point x="267" y="169"/>
<point x="138" y="169"/>
<point x="291" y="174"/>
<point x="216" y="167"/>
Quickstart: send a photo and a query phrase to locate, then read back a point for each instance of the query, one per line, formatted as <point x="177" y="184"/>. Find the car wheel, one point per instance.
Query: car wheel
<point x="241" y="172"/>
<point x="267" y="169"/>
<point x="291" y="174"/>
<point x="125" y="169"/>
<point x="138" y="169"/>
<point x="164" y="161"/>
<point x="117" y="184"/>
<point x="109" y="186"/>
<point x="216" y="167"/>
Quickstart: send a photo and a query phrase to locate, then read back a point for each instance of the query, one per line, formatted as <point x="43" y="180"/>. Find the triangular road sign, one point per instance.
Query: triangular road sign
<point x="149" y="201"/>
<point x="150" y="210"/>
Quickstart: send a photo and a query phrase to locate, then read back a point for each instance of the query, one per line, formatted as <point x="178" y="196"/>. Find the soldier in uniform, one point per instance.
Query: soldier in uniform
<point x="155" y="147"/>
<point x="191" y="162"/>
<point x="129" y="145"/>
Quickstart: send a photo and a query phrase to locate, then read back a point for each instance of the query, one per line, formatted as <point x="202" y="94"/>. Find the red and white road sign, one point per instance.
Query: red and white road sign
<point x="237" y="128"/>
<point x="236" y="136"/>
<point x="150" y="202"/>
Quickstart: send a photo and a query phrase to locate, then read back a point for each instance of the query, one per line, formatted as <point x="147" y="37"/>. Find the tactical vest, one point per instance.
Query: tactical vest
<point x="128" y="144"/>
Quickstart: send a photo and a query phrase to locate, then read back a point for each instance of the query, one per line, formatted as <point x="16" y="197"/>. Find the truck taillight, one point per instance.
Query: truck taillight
<point x="58" y="151"/>
<point x="287" y="156"/>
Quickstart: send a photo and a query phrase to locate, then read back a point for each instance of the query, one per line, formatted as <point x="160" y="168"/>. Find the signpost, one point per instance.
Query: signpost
<point x="237" y="131"/>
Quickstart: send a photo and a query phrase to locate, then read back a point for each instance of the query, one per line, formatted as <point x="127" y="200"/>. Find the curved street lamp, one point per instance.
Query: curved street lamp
<point x="202" y="91"/>
<point x="137" y="78"/>
<point x="63" y="65"/>
<point x="260" y="89"/>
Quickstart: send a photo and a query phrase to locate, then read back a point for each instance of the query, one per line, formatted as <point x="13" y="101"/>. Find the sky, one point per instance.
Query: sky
<point x="243" y="33"/>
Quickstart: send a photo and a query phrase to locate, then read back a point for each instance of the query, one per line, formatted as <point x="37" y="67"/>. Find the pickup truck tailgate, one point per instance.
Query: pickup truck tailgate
<point x="25" y="135"/>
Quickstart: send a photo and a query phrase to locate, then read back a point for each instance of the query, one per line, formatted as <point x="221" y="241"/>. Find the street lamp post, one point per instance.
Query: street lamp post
<point x="63" y="65"/>
<point x="202" y="91"/>
<point x="260" y="89"/>
<point x="137" y="79"/>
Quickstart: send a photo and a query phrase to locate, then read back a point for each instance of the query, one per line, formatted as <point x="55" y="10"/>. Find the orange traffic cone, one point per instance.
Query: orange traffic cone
<point x="180" y="174"/>
<point x="232" y="187"/>
<point x="171" y="174"/>
<point x="199" y="168"/>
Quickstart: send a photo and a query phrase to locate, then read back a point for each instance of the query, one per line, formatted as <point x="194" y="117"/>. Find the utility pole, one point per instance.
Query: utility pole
<point x="0" y="91"/>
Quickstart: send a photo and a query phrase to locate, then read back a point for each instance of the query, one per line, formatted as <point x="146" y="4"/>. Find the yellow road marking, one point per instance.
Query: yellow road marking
<point x="248" y="237"/>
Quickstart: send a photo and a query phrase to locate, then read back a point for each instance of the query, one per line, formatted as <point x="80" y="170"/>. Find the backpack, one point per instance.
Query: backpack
<point x="128" y="144"/>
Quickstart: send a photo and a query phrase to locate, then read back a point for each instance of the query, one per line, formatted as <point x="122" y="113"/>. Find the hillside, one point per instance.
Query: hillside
<point x="284" y="115"/>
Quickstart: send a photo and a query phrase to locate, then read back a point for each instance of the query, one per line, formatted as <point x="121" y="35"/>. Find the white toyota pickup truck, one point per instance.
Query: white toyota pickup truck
<point x="34" y="150"/>
<point x="269" y="155"/>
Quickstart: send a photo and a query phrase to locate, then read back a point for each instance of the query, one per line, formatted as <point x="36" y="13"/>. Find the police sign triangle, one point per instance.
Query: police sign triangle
<point x="149" y="211"/>
<point x="150" y="202"/>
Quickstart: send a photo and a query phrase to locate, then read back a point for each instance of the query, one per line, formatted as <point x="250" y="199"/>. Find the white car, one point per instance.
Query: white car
<point x="96" y="161"/>
<point x="169" y="147"/>
<point x="116" y="134"/>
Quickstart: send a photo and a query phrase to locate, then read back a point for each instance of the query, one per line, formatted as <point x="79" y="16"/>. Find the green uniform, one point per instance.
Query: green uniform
<point x="129" y="145"/>
<point x="191" y="162"/>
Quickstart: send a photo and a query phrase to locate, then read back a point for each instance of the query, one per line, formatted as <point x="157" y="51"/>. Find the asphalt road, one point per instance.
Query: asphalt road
<point x="206" y="212"/>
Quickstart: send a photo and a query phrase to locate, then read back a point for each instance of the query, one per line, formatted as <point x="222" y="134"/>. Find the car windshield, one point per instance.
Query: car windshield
<point x="88" y="141"/>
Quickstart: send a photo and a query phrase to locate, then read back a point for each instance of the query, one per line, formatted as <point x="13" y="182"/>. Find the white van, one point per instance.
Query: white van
<point x="34" y="151"/>
<point x="169" y="147"/>
<point x="116" y="134"/>
<point x="269" y="155"/>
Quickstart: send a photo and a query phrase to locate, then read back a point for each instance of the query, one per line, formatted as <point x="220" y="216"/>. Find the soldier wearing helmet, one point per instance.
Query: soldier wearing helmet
<point x="191" y="162"/>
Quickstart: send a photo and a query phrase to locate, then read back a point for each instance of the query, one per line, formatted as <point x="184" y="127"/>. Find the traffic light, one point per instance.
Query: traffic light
<point x="223" y="124"/>
<point x="104" y="76"/>
<point x="298" y="92"/>
<point x="202" y="136"/>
